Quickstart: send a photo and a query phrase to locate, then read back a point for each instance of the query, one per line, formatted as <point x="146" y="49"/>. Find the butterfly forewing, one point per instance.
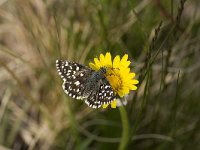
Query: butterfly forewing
<point x="74" y="77"/>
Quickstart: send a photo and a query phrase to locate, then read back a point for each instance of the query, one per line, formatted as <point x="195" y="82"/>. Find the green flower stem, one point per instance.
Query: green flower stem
<point x="126" y="128"/>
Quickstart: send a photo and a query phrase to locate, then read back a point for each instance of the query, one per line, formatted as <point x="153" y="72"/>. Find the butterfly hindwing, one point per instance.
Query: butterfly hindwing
<point x="92" y="100"/>
<point x="103" y="94"/>
<point x="106" y="94"/>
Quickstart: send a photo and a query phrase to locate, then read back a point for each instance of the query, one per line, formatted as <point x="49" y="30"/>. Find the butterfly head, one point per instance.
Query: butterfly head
<point x="102" y="70"/>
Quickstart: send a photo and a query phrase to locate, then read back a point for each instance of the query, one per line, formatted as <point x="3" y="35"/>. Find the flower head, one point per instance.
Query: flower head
<point x="117" y="73"/>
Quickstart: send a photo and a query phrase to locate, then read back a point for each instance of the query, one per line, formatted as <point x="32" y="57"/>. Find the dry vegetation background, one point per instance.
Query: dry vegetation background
<point x="162" y="38"/>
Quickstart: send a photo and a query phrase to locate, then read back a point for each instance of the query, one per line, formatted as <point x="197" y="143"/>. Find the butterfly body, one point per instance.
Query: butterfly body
<point x="93" y="81"/>
<point x="81" y="82"/>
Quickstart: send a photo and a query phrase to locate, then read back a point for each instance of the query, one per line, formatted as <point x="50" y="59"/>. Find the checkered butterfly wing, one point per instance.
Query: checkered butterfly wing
<point x="103" y="94"/>
<point x="74" y="77"/>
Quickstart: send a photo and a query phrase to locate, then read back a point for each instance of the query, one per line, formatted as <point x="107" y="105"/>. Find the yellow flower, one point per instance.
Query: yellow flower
<point x="117" y="73"/>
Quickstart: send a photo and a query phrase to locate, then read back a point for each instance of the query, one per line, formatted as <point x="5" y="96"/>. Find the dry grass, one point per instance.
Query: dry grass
<point x="36" y="114"/>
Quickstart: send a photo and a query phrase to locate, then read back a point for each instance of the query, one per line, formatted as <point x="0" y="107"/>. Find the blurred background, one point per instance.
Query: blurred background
<point x="161" y="38"/>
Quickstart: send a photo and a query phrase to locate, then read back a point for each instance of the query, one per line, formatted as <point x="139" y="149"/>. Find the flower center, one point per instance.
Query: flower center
<point x="114" y="79"/>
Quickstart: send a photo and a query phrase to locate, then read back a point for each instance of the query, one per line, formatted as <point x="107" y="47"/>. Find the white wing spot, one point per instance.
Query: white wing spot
<point x="87" y="102"/>
<point x="94" y="106"/>
<point x="106" y="86"/>
<point x="81" y="74"/>
<point x="77" y="83"/>
<point x="66" y="92"/>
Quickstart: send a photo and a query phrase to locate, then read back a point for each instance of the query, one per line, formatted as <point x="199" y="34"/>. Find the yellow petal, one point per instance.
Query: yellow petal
<point x="105" y="105"/>
<point x="97" y="62"/>
<point x="125" y="64"/>
<point x="93" y="66"/>
<point x="116" y="61"/>
<point x="114" y="104"/>
<point x="134" y="81"/>
<point x="124" y="61"/>
<point x="102" y="60"/>
<point x="133" y="87"/>
<point x="124" y="71"/>
<point x="125" y="90"/>
<point x="131" y="75"/>
<point x="124" y="58"/>
<point x="120" y="93"/>
<point x="108" y="61"/>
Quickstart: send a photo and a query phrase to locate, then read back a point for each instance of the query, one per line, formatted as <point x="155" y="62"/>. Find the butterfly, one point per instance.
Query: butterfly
<point x="81" y="82"/>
